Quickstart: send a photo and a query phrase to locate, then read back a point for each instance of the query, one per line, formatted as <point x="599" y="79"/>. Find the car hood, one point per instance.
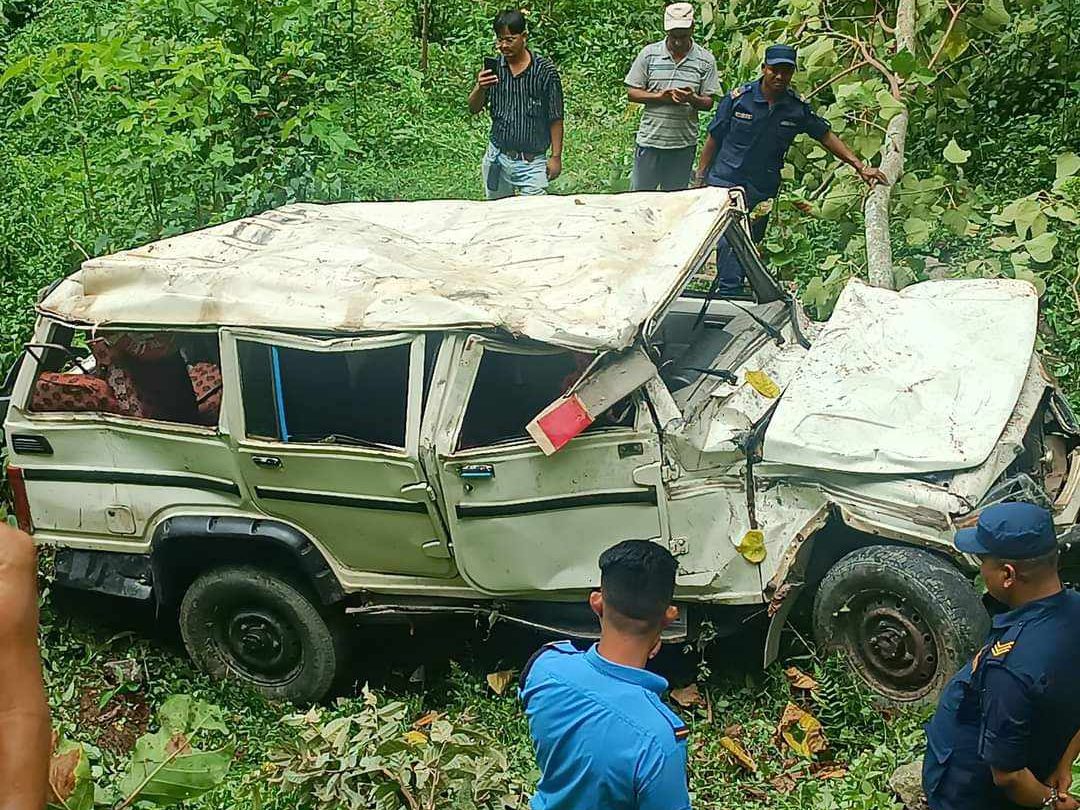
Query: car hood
<point x="907" y="382"/>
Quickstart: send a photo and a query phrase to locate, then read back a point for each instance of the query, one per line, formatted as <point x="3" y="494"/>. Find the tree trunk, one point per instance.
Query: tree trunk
<point x="425" y="22"/>
<point x="878" y="244"/>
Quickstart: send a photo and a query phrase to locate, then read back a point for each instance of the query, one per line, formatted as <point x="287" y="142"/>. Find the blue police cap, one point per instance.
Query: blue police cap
<point x="780" y="55"/>
<point x="1011" y="531"/>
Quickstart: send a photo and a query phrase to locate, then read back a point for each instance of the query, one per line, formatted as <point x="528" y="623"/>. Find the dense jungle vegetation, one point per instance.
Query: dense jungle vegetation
<point x="122" y="121"/>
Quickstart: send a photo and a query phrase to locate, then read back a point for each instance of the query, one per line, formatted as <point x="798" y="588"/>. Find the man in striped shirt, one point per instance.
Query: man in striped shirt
<point x="524" y="96"/>
<point x="674" y="79"/>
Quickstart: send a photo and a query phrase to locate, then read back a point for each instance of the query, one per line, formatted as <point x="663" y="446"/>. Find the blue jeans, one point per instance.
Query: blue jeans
<point x="522" y="176"/>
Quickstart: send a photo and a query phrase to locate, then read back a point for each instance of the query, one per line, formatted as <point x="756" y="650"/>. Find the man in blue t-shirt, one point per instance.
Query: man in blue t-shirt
<point x="603" y="737"/>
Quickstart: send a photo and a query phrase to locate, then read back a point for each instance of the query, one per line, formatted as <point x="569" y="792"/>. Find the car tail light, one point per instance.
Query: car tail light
<point x="19" y="499"/>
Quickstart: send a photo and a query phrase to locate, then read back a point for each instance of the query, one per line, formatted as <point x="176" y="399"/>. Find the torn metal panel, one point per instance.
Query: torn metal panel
<point x="602" y="385"/>
<point x="911" y="381"/>
<point x="583" y="272"/>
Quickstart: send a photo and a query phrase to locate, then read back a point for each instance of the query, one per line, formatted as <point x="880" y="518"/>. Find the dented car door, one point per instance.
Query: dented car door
<point x="522" y="521"/>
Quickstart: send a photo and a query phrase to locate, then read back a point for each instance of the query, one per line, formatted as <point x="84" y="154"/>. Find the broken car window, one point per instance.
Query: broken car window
<point x="511" y="389"/>
<point x="356" y="398"/>
<point x="163" y="376"/>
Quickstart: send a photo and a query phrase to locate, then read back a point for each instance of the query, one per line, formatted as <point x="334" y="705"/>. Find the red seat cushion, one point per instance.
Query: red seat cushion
<point x="72" y="393"/>
<point x="206" y="380"/>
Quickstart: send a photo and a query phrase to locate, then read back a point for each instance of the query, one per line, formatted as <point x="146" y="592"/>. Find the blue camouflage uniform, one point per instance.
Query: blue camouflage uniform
<point x="752" y="138"/>
<point x="603" y="737"/>
<point x="1016" y="704"/>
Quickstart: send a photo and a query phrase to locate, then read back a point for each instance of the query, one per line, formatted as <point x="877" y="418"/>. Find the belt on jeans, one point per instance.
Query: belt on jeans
<point x="526" y="156"/>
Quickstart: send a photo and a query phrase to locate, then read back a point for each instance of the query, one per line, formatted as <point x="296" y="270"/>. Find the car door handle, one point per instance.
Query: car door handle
<point x="474" y="471"/>
<point x="270" y="462"/>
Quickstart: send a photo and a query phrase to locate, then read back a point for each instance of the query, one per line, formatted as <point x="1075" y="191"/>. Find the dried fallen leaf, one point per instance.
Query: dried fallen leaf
<point x="783" y="783"/>
<point x="752" y="546"/>
<point x="763" y="384"/>
<point x="799" y="679"/>
<point x="735" y="731"/>
<point x="801" y="731"/>
<point x="688" y="696"/>
<point x="427" y="719"/>
<point x="831" y="772"/>
<point x="738" y="753"/>
<point x="498" y="681"/>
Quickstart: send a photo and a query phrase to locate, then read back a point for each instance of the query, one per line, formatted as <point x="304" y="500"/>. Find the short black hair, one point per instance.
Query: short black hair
<point x="1032" y="567"/>
<point x="637" y="578"/>
<point x="511" y="19"/>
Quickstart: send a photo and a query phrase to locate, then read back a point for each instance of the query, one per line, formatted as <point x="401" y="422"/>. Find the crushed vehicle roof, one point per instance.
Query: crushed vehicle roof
<point x="582" y="271"/>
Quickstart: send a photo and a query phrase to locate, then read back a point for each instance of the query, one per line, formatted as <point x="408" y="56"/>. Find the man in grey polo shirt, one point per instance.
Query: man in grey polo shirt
<point x="674" y="79"/>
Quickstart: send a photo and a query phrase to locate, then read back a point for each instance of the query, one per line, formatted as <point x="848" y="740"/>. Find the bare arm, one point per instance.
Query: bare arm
<point x="478" y="95"/>
<point x="554" y="164"/>
<point x="639" y="95"/>
<point x="702" y="103"/>
<point x="869" y="174"/>
<point x="1024" y="789"/>
<point x="1061" y="778"/>
<point x="24" y="710"/>
<point x="708" y="152"/>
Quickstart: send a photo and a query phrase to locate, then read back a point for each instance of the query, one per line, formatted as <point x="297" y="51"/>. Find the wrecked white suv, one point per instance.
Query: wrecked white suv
<point x="393" y="409"/>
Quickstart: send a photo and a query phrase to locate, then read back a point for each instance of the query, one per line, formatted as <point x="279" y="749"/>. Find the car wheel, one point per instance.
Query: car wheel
<point x="906" y="619"/>
<point x="251" y="624"/>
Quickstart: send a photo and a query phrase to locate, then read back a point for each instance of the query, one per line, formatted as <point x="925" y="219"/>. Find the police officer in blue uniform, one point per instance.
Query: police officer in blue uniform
<point x="748" y="138"/>
<point x="1005" y="733"/>
<point x="603" y="737"/>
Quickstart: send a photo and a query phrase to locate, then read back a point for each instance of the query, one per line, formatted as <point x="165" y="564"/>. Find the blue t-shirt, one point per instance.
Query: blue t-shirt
<point x="603" y="737"/>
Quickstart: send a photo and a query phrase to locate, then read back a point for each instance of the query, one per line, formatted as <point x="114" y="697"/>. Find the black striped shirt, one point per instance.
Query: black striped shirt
<point x="523" y="107"/>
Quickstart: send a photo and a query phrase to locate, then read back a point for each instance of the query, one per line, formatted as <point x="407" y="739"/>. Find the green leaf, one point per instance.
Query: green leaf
<point x="165" y="769"/>
<point x="1068" y="163"/>
<point x="954" y="154"/>
<point x="994" y="14"/>
<point x="1066" y="213"/>
<point x="15" y="69"/>
<point x="1024" y="213"/>
<point x="917" y="231"/>
<point x="1031" y="276"/>
<point x="1042" y="247"/>
<point x="1005" y="243"/>
<point x="890" y="107"/>
<point x="924" y="76"/>
<point x="70" y="783"/>
<point x="956" y="221"/>
<point x="188" y="715"/>
<point x="903" y="62"/>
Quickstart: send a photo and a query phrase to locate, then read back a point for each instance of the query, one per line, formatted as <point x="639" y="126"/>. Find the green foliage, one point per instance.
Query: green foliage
<point x="374" y="759"/>
<point x="164" y="769"/>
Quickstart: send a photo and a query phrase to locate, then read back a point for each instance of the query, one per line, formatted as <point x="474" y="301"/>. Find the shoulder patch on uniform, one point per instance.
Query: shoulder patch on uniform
<point x="738" y="91"/>
<point x="1002" y="648"/>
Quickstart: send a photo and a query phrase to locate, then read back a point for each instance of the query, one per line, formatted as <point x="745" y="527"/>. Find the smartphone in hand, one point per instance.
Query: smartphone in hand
<point x="491" y="63"/>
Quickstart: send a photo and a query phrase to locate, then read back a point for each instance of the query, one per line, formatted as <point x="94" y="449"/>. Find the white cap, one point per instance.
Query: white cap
<point x="678" y="15"/>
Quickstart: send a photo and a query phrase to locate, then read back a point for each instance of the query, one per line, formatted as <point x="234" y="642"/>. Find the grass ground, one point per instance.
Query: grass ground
<point x="109" y="667"/>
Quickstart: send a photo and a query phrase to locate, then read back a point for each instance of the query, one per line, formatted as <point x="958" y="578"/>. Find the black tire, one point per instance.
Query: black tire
<point x="906" y="619"/>
<point x="250" y="624"/>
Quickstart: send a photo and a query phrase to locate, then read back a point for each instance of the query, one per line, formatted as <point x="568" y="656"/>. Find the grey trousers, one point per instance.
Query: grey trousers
<point x="663" y="169"/>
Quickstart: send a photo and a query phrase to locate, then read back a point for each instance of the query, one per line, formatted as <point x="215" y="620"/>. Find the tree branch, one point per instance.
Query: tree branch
<point x="954" y="12"/>
<point x="837" y="78"/>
